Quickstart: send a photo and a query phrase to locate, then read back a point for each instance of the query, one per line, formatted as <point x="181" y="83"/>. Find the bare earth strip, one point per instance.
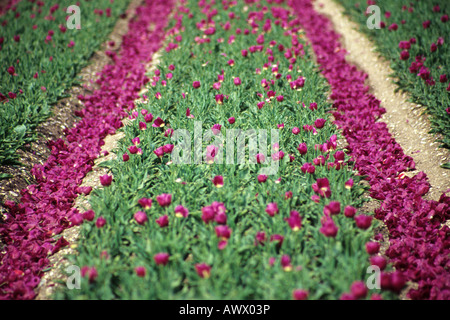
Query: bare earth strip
<point x="407" y="122"/>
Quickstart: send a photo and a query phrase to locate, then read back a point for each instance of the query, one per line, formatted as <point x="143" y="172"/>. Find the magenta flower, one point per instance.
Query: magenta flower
<point x="262" y="178"/>
<point x="208" y="214"/>
<point x="217" y="85"/>
<point x="260" y="238"/>
<point x="148" y="117"/>
<point x="163" y="221"/>
<point x="76" y="219"/>
<point x="272" y="209"/>
<point x="260" y="158"/>
<point x="161" y="258"/>
<point x="358" y="289"/>
<point x="329" y="228"/>
<point x="322" y="187"/>
<point x="219" y="98"/>
<point x="334" y="207"/>
<point x="349" y="184"/>
<point x="158" y="123"/>
<point x="218" y="181"/>
<point x="300" y="294"/>
<point x="140" y="217"/>
<point x="100" y="222"/>
<point x="277" y="238"/>
<point x="167" y="148"/>
<point x="181" y="212"/>
<point x="140" y="271"/>
<point x="372" y="247"/>
<point x="319" y="123"/>
<point x="146" y="203"/>
<point x="223" y="232"/>
<point x="159" y="152"/>
<point x="89" y="215"/>
<point x="164" y="200"/>
<point x="237" y="81"/>
<point x="302" y="148"/>
<point x="378" y="261"/>
<point x="196" y="84"/>
<point x="286" y="263"/>
<point x="203" y="270"/>
<point x="231" y="62"/>
<point x="231" y="120"/>
<point x="106" y="180"/>
<point x="11" y="70"/>
<point x="363" y="221"/>
<point x="295" y="221"/>
<point x="142" y="125"/>
<point x="71" y="44"/>
<point x="216" y="128"/>
<point x="349" y="211"/>
<point x="295" y="130"/>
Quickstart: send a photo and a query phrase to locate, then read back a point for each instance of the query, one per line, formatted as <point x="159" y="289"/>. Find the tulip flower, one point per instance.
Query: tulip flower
<point x="302" y="148"/>
<point x="328" y="229"/>
<point x="159" y="152"/>
<point x="231" y="120"/>
<point x="106" y="180"/>
<point x="163" y="221"/>
<point x="300" y="294"/>
<point x="272" y="209"/>
<point x="196" y="84"/>
<point x="262" y="178"/>
<point x="89" y="215"/>
<point x="140" y="271"/>
<point x="363" y="221"/>
<point x="158" y="123"/>
<point x="260" y="238"/>
<point x="181" y="212"/>
<point x="286" y="263"/>
<point x="203" y="270"/>
<point x="358" y="289"/>
<point x="294" y="221"/>
<point x="237" y="81"/>
<point x="164" y="200"/>
<point x="218" y="181"/>
<point x="100" y="222"/>
<point x="333" y="208"/>
<point x="146" y="203"/>
<point x="349" y="211"/>
<point x="161" y="258"/>
<point x="372" y="247"/>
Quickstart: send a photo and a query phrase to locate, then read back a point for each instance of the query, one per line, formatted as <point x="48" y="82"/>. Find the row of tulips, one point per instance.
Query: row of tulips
<point x="202" y="230"/>
<point x="413" y="36"/>
<point x="41" y="57"/>
<point x="419" y="239"/>
<point x="31" y="229"/>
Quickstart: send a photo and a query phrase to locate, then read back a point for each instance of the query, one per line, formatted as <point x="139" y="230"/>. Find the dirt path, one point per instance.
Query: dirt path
<point x="407" y="122"/>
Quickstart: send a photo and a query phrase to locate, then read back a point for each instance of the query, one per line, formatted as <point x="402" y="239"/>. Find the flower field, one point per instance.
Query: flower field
<point x="413" y="38"/>
<point x="250" y="150"/>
